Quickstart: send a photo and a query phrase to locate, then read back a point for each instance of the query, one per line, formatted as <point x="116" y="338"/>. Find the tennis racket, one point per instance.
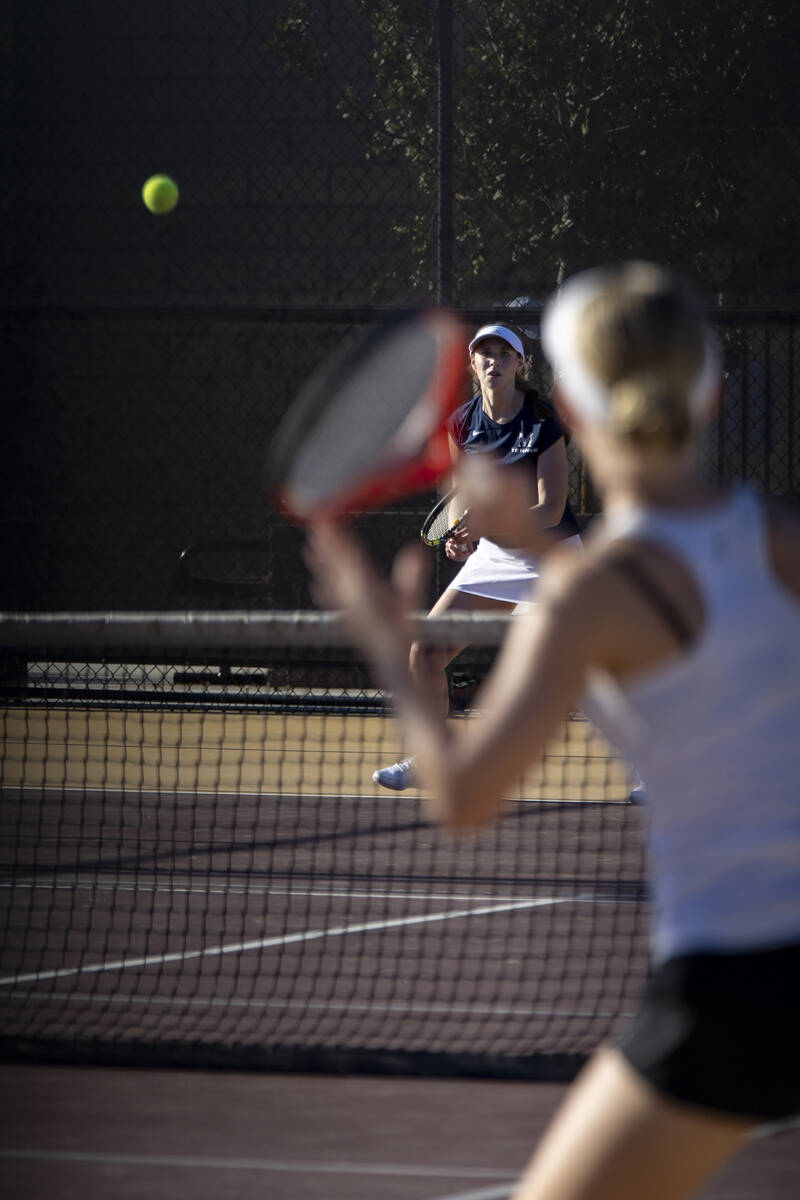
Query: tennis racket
<point x="444" y="519"/>
<point x="370" y="426"/>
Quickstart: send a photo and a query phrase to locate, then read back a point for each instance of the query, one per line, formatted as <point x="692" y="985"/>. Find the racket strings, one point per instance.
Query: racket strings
<point x="444" y="520"/>
<point x="358" y="419"/>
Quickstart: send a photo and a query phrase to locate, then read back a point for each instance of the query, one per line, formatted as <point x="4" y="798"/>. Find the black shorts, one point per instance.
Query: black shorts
<point x="723" y="1031"/>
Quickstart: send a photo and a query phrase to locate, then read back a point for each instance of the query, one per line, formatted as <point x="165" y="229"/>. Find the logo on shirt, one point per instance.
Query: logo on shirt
<point x="525" y="443"/>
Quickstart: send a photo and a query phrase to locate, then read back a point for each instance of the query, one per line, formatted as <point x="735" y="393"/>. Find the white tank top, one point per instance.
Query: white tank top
<point x="715" y="736"/>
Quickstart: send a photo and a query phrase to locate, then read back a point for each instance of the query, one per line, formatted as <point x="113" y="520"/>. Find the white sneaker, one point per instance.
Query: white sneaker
<point x="399" y="776"/>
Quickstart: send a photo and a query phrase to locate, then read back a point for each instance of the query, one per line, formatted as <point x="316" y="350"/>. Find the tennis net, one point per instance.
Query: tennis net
<point x="197" y="868"/>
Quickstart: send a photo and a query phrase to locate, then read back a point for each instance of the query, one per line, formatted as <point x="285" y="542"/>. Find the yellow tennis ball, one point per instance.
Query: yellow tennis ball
<point x="160" y="193"/>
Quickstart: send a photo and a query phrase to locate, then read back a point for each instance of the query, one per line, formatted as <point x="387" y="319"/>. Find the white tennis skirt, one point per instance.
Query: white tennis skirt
<point x="501" y="574"/>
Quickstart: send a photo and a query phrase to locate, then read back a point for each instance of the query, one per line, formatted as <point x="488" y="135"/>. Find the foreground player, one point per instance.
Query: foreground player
<point x="683" y="624"/>
<point x="504" y="419"/>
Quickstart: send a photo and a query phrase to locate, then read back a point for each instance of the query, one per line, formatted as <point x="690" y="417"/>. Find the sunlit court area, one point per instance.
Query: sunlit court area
<point x="240" y="952"/>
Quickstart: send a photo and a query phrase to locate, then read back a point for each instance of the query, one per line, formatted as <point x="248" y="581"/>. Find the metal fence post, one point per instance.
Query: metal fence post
<point x="444" y="240"/>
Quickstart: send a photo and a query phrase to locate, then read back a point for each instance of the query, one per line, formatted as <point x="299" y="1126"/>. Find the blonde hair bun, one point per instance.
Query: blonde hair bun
<point x="650" y="409"/>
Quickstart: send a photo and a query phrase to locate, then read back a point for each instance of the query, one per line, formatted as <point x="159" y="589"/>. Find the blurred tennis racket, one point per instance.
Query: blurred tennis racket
<point x="444" y="519"/>
<point x="370" y="426"/>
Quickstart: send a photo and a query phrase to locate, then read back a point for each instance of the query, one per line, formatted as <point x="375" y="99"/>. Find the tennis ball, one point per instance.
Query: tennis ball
<point x="160" y="193"/>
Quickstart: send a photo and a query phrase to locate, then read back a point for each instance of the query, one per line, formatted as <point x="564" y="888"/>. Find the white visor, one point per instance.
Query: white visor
<point x="499" y="331"/>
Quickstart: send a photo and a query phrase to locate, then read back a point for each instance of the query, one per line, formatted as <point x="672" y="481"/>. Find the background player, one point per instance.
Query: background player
<point x="506" y="420"/>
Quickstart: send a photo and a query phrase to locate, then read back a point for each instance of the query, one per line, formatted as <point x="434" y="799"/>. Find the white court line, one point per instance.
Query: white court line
<point x="150" y="960"/>
<point x="773" y="1128"/>
<point x="161" y="795"/>
<point x="262" y="1164"/>
<point x="412" y="1008"/>
<point x="490" y="1193"/>
<point x="167" y="793"/>
<point x="115" y="884"/>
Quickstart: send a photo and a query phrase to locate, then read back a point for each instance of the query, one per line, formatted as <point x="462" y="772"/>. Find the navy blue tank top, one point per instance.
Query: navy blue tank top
<point x="517" y="442"/>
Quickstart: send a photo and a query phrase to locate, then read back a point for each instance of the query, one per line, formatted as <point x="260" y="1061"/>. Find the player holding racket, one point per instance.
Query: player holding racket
<point x="506" y="421"/>
<point x="683" y="622"/>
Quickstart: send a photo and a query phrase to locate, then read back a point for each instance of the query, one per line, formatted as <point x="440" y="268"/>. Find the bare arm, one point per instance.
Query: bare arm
<point x="546" y="507"/>
<point x="462" y="544"/>
<point x="552" y="485"/>
<point x="537" y="679"/>
<point x="502" y="499"/>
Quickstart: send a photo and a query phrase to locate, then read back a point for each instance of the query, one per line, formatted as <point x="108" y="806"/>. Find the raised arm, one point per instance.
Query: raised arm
<point x="541" y="507"/>
<point x="537" y="679"/>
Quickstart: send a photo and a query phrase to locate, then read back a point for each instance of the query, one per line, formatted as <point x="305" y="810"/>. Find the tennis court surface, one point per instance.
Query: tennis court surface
<point x="198" y="872"/>
<point x="75" y="1133"/>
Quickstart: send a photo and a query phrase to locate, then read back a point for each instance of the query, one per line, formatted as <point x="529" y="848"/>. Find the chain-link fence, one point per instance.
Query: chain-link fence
<point x="335" y="159"/>
<point x="133" y="453"/>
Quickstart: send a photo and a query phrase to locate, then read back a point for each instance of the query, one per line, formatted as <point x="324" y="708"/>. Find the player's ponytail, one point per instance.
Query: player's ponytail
<point x="650" y="410"/>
